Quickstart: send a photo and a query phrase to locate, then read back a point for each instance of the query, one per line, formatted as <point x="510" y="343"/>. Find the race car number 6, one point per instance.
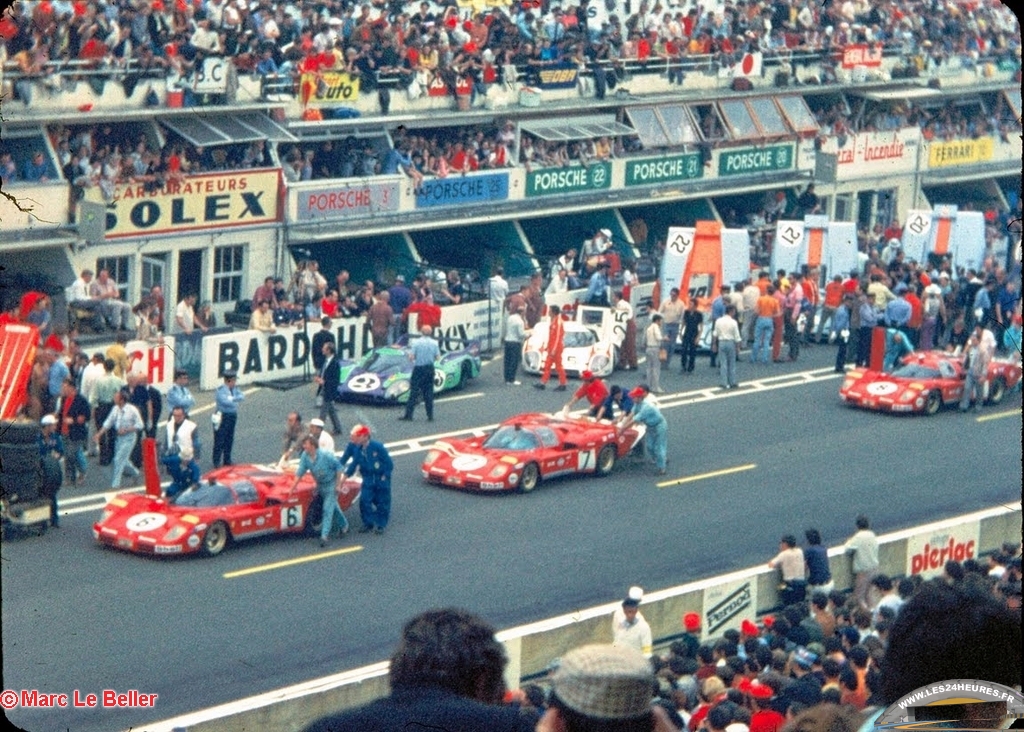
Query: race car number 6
<point x="291" y="517"/>
<point x="145" y="521"/>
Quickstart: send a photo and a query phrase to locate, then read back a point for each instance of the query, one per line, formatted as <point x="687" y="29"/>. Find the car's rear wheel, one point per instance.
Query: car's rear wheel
<point x="996" y="391"/>
<point x="530" y="478"/>
<point x="215" y="539"/>
<point x="314" y="517"/>
<point x="933" y="404"/>
<point x="606" y="460"/>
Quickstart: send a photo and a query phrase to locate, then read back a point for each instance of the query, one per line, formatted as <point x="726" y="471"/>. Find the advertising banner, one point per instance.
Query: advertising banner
<point x="876" y="153"/>
<point x="745" y="161"/>
<point x="667" y="169"/>
<point x="458" y="190"/>
<point x="927" y="553"/>
<point x="345" y="199"/>
<point x="727" y="605"/>
<point x="862" y="54"/>
<point x="548" y="181"/>
<point x="212" y="76"/>
<point x="206" y="201"/>
<point x="331" y="87"/>
<point x="560" y="75"/>
<point x="960" y="152"/>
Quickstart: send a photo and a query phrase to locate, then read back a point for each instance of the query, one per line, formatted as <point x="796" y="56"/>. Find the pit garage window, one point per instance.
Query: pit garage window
<point x="798" y="114"/>
<point x="228" y="267"/>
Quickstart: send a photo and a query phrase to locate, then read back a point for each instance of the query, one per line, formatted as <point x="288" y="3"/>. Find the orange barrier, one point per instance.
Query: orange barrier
<point x="18" y="342"/>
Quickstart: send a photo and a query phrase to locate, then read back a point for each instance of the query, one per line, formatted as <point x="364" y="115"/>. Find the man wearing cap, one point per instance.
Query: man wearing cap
<point x="446" y="675"/>
<point x="423" y="352"/>
<point x="323" y="438"/>
<point x="629" y="627"/>
<point x="691" y="634"/>
<point x="228" y="397"/>
<point x="326" y="471"/>
<point x="604" y="687"/>
<point x="595" y="391"/>
<point x="375" y="467"/>
<point x="126" y="423"/>
<point x="51" y="447"/>
<point x="646" y="413"/>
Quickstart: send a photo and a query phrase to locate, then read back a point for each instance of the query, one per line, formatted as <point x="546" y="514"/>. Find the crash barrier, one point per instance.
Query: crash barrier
<point x="723" y="602"/>
<point x="285" y="354"/>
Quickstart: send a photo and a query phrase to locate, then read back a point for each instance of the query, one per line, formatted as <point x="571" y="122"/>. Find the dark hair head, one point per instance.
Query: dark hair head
<point x="451" y="649"/>
<point x="813" y="537"/>
<point x="882" y="582"/>
<point x="862" y="522"/>
<point x="789" y="540"/>
<point x="819" y="600"/>
<point x="951" y="632"/>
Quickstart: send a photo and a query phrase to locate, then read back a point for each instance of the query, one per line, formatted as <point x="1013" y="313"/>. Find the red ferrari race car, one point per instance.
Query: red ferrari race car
<point x="924" y="382"/>
<point x="233" y="502"/>
<point x="527" y="449"/>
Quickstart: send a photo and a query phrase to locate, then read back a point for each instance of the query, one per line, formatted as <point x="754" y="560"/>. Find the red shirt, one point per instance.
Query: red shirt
<point x="766" y="720"/>
<point x="833" y="294"/>
<point x="916" y="310"/>
<point x="428" y="314"/>
<point x="595" y="391"/>
<point x="556" y="336"/>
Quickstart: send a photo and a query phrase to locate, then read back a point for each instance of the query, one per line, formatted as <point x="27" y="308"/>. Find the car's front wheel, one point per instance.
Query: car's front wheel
<point x="530" y="478"/>
<point x="215" y="539"/>
<point x="996" y="391"/>
<point x="606" y="460"/>
<point x="933" y="404"/>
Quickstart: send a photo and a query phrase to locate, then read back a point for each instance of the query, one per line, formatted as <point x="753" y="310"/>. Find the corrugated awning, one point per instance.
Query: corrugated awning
<point x="576" y="128"/>
<point x="222" y="129"/>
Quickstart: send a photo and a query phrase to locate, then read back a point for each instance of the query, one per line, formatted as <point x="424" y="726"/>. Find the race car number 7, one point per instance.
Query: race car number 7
<point x="585" y="460"/>
<point x="291" y="517"/>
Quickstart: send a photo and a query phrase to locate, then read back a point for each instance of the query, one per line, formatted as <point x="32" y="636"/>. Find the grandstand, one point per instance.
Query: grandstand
<point x="202" y="146"/>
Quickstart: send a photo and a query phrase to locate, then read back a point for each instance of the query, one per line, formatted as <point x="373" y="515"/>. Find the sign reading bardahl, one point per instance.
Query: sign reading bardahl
<point x="318" y="202"/>
<point x="928" y="553"/>
<point x="208" y="201"/>
<point x="729" y="604"/>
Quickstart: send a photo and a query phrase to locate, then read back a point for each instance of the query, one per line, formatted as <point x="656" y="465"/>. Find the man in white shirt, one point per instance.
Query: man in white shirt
<point x="178" y="449"/>
<point x="629" y="628"/>
<point x="790" y="563"/>
<point x="80" y="299"/>
<point x="117" y="312"/>
<point x="888" y="597"/>
<point x="863" y="548"/>
<point x="323" y="437"/>
<point x="559" y="283"/>
<point x="185" y="315"/>
<point x="91" y="375"/>
<point x="727" y="337"/>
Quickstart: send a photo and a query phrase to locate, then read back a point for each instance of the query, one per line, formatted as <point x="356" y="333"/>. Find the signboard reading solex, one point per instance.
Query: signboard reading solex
<point x="213" y="200"/>
<point x="745" y="161"/>
<point x="574" y="179"/>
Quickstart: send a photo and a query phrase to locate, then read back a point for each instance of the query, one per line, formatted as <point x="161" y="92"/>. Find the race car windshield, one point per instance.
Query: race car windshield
<point x="916" y="371"/>
<point x="379" y="361"/>
<point x="578" y="338"/>
<point x="205" y="494"/>
<point x="509" y="438"/>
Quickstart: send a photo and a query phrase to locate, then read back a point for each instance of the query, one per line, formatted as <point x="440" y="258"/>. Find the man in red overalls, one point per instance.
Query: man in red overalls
<point x="556" y="342"/>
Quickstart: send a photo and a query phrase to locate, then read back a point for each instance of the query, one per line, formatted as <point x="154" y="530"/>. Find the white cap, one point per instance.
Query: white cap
<point x="606" y="232"/>
<point x="48" y="419"/>
<point x="316" y="423"/>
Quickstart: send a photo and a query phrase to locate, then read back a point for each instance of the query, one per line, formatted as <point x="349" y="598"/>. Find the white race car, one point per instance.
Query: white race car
<point x="590" y="344"/>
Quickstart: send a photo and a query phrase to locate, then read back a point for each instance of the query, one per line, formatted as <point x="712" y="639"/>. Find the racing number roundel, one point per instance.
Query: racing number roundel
<point x="469" y="462"/>
<point x="145" y="521"/>
<point x="439" y="379"/>
<point x="363" y="383"/>
<point x="882" y="388"/>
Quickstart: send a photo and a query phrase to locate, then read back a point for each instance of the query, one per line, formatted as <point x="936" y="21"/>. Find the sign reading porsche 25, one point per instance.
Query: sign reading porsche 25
<point x="207" y="201"/>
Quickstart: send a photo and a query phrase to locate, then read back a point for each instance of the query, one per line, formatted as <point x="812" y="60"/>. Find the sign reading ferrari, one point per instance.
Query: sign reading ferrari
<point x="960" y="152"/>
<point x="209" y="201"/>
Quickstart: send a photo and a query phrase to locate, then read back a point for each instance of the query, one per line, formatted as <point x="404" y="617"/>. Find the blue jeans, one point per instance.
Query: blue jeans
<point x="122" y="458"/>
<point x="764" y="329"/>
<point x="657" y="445"/>
<point x="183" y="476"/>
<point x="331" y="507"/>
<point x="75" y="463"/>
<point x="375" y="501"/>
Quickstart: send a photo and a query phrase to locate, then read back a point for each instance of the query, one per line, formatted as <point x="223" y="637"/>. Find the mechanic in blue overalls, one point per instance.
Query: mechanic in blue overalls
<point x="326" y="471"/>
<point x="647" y="413"/>
<point x="375" y="466"/>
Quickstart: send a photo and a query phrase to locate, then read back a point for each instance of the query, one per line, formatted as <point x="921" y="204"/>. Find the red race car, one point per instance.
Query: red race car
<point x="233" y="502"/>
<point x="923" y="383"/>
<point x="527" y="449"/>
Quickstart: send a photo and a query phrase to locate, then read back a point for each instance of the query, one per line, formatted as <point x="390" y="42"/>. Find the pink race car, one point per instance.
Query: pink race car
<point x="527" y="449"/>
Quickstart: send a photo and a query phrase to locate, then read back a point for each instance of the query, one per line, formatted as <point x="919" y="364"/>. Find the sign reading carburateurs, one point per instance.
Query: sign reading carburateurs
<point x="207" y="201"/>
<point x="664" y="170"/>
<point x="546" y="181"/>
<point x="755" y="160"/>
